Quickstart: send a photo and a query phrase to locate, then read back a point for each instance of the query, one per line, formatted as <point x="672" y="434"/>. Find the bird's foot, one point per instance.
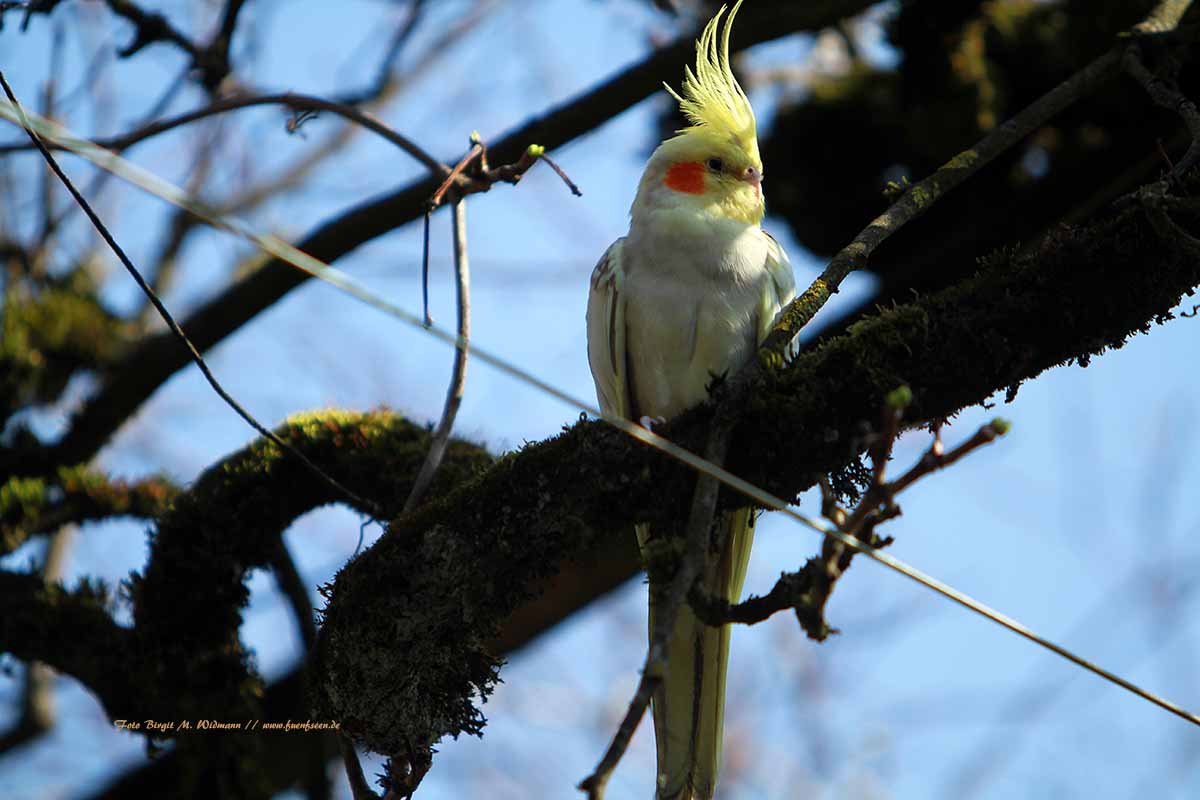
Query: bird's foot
<point x="649" y="422"/>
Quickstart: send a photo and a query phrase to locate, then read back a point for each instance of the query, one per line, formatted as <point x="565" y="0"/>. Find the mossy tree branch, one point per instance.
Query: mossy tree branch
<point x="403" y="648"/>
<point x="45" y="336"/>
<point x="71" y="631"/>
<point x="32" y="506"/>
<point x="230" y="522"/>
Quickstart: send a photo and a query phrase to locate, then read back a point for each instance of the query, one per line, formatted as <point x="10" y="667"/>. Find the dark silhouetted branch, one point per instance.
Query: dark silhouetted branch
<point x="296" y="102"/>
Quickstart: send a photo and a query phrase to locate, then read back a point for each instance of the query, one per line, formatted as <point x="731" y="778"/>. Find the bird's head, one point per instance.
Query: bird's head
<point x="714" y="162"/>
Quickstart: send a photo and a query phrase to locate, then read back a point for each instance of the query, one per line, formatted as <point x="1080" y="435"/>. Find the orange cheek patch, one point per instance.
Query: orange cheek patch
<point x="687" y="176"/>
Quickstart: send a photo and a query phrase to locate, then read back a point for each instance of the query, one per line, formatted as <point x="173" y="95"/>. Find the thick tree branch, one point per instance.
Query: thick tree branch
<point x="32" y="506"/>
<point x="234" y="514"/>
<point x="402" y="665"/>
<point x="71" y="631"/>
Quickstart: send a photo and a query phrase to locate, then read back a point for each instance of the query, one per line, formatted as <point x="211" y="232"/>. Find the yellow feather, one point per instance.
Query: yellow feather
<point x="712" y="100"/>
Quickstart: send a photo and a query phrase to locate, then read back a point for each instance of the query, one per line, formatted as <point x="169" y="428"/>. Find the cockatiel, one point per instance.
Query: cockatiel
<point x="686" y="296"/>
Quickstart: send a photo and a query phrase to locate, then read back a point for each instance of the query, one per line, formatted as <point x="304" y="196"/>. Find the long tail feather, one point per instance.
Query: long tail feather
<point x="689" y="707"/>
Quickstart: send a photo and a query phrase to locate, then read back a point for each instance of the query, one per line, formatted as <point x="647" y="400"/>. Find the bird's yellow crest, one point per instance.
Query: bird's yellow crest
<point x="712" y="100"/>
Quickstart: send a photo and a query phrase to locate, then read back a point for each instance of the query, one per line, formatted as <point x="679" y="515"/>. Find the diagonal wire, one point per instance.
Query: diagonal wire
<point x="303" y="261"/>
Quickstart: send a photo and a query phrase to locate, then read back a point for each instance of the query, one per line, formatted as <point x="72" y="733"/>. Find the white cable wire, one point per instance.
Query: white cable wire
<point x="148" y="181"/>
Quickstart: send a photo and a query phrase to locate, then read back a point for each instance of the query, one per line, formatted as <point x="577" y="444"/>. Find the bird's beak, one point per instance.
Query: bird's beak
<point x="753" y="177"/>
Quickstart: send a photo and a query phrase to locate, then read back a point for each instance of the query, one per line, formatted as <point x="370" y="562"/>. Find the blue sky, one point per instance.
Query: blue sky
<point x="1081" y="523"/>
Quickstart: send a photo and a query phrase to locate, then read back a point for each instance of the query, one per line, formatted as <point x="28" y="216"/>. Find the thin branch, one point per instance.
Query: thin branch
<point x="934" y="459"/>
<point x="475" y="152"/>
<point x="472" y="174"/>
<point x="218" y="48"/>
<point x="1164" y="91"/>
<point x="296" y="102"/>
<point x="918" y="199"/>
<point x="359" y="789"/>
<point x="150" y="27"/>
<point x="575" y="190"/>
<point x="384" y="71"/>
<point x="458" y="376"/>
<point x="807" y="591"/>
<point x="425" y="270"/>
<point x="170" y="320"/>
<point x="292" y="586"/>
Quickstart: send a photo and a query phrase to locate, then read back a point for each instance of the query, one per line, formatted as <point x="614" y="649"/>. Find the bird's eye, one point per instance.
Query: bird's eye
<point x="715" y="164"/>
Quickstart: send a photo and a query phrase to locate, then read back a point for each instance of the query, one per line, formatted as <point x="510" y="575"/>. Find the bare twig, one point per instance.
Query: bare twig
<point x="472" y="174"/>
<point x="216" y="55"/>
<point x="480" y="178"/>
<point x="211" y="62"/>
<point x="808" y="590"/>
<point x="150" y="27"/>
<point x="458" y="376"/>
<point x="171" y="323"/>
<point x="293" y="588"/>
<point x="359" y="789"/>
<point x="425" y="270"/>
<point x="180" y="223"/>
<point x="1164" y="91"/>
<point x="296" y="102"/>
<point x="384" y="71"/>
<point x="575" y="190"/>
<point x="934" y="459"/>
<point x="475" y="152"/>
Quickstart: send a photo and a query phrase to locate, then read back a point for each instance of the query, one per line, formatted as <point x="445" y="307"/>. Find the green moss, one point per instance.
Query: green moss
<point x="45" y="336"/>
<point x="235" y="514"/>
<point x="76" y="494"/>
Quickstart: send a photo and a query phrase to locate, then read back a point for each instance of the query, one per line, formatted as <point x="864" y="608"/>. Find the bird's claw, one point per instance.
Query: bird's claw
<point x="649" y="422"/>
